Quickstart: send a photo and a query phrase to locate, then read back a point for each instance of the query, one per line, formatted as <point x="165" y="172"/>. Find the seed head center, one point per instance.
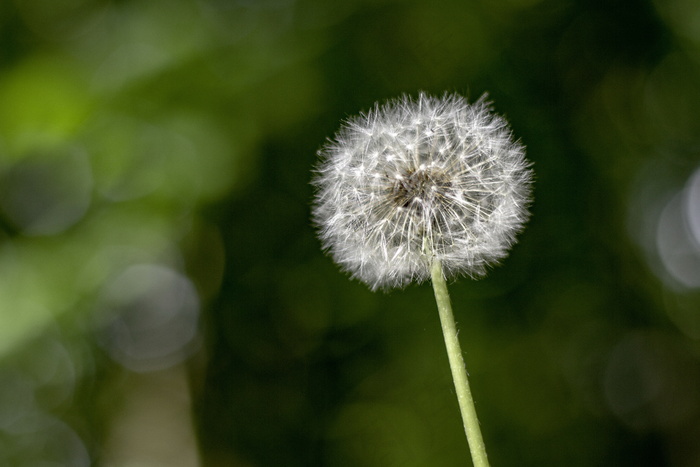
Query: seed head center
<point x="415" y="188"/>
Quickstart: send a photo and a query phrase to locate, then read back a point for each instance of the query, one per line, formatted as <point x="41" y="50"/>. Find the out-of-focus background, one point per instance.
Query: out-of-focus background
<point x="164" y="300"/>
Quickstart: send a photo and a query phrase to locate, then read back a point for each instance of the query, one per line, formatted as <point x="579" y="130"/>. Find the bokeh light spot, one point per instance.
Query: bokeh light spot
<point x="676" y="248"/>
<point x="48" y="192"/>
<point x="692" y="206"/>
<point x="149" y="317"/>
<point x="648" y="383"/>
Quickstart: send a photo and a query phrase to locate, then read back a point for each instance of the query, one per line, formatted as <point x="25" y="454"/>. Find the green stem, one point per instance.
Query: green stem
<point x="459" y="372"/>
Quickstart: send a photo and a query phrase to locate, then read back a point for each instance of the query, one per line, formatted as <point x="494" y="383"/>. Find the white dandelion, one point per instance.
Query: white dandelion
<point x="417" y="180"/>
<point x="424" y="188"/>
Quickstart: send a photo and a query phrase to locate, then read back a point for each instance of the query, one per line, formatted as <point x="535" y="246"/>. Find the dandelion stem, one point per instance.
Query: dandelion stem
<point x="459" y="371"/>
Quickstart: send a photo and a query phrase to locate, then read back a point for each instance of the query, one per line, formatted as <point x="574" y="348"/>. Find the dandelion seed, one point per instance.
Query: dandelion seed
<point x="419" y="180"/>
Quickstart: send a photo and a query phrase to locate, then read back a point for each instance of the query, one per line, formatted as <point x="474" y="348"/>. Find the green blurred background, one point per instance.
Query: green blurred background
<point x="164" y="300"/>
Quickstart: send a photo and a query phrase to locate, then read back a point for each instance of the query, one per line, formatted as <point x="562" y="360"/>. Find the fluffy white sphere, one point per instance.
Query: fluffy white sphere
<point x="421" y="179"/>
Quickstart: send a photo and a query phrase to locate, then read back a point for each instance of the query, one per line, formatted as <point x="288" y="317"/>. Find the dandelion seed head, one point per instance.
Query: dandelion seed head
<point x="420" y="179"/>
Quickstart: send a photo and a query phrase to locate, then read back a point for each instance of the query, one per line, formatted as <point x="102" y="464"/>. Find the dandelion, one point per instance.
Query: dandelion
<point x="416" y="181"/>
<point x="424" y="188"/>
